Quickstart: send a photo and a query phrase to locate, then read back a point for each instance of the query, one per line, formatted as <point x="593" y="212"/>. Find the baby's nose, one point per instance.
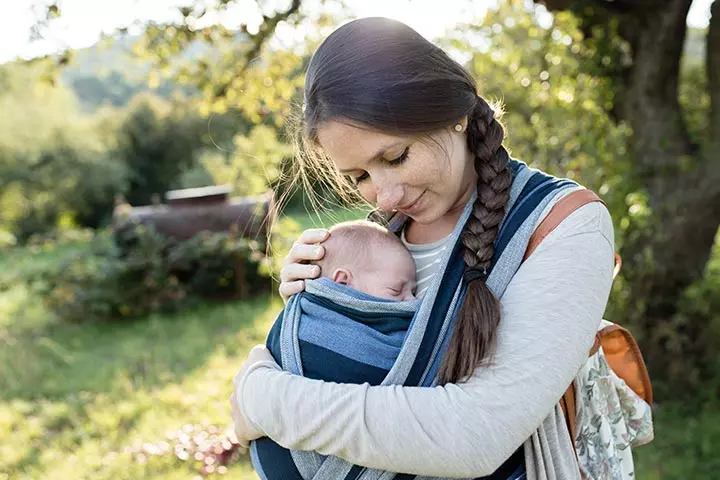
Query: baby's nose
<point x="409" y="296"/>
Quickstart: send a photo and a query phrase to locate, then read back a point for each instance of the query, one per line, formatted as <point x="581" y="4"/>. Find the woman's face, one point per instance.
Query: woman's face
<point x="425" y="180"/>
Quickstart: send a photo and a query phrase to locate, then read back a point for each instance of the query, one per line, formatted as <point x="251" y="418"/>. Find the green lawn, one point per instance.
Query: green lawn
<point x="77" y="400"/>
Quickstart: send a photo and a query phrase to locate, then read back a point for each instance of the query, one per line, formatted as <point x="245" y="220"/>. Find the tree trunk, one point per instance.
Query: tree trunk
<point x="683" y="188"/>
<point x="713" y="73"/>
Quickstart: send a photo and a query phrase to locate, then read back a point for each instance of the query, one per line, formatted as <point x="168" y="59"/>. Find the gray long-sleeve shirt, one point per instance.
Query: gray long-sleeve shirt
<point x="550" y="313"/>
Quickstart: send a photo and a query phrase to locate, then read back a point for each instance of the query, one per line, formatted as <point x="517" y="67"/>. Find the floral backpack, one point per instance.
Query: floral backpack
<point x="608" y="406"/>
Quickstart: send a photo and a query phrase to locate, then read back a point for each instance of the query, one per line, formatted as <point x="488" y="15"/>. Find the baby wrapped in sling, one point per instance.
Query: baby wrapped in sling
<point x="347" y="326"/>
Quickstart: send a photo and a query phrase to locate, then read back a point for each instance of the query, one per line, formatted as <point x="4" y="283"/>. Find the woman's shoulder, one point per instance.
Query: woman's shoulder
<point x="589" y="218"/>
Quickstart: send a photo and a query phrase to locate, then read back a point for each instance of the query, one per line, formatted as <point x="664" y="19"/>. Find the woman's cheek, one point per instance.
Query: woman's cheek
<point x="368" y="191"/>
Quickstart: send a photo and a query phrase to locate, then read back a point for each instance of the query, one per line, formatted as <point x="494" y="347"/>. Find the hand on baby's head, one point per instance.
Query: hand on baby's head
<point x="369" y="258"/>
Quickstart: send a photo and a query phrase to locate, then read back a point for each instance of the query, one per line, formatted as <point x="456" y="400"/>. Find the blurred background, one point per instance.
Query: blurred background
<point x="138" y="141"/>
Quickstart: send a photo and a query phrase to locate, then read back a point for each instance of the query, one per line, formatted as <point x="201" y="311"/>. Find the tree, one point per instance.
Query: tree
<point x="630" y="52"/>
<point x="157" y="143"/>
<point x="637" y="45"/>
<point x="54" y="165"/>
<point x="228" y="69"/>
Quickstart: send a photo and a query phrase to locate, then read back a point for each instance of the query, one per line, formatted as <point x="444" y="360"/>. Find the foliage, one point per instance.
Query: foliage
<point x="144" y="272"/>
<point x="62" y="168"/>
<point x="686" y="436"/>
<point x="673" y="219"/>
<point x="559" y="115"/>
<point x="254" y="164"/>
<point x="556" y="75"/>
<point x="7" y="240"/>
<point x="695" y="100"/>
<point x="693" y="354"/>
<point x="157" y="143"/>
<point x="554" y="111"/>
<point x="233" y="72"/>
<point x="52" y="162"/>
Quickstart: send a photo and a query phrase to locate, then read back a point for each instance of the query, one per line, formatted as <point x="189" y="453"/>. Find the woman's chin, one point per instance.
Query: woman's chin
<point x="425" y="217"/>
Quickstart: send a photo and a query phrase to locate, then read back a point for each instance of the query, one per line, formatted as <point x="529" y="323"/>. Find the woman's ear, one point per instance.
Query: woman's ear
<point x="464" y="123"/>
<point x="343" y="276"/>
<point x="461" y="125"/>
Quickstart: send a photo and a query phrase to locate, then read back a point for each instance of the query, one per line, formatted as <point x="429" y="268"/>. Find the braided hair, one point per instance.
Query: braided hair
<point x="474" y="334"/>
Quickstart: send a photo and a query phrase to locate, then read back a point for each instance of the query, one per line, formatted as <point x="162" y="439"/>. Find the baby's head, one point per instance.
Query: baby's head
<point x="369" y="258"/>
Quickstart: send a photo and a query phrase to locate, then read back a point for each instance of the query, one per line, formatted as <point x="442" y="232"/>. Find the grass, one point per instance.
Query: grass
<point x="75" y="400"/>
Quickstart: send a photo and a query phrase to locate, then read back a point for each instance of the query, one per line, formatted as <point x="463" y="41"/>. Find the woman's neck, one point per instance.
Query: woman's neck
<point x="420" y="234"/>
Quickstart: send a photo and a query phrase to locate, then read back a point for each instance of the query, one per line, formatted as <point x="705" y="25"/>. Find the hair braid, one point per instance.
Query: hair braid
<point x="475" y="329"/>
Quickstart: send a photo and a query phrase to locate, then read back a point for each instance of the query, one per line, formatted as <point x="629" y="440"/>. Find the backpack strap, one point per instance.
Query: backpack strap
<point x="559" y="212"/>
<point x="623" y="355"/>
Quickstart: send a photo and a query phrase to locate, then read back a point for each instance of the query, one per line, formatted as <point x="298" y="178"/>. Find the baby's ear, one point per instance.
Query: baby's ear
<point x="343" y="276"/>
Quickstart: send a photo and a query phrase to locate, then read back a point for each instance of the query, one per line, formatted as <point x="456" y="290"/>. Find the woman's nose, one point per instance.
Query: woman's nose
<point x="389" y="196"/>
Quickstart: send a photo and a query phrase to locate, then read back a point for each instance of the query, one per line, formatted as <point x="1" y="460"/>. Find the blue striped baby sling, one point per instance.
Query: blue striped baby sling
<point x="334" y="333"/>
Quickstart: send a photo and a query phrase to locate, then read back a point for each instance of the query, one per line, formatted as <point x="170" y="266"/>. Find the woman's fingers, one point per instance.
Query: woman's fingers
<point x="298" y="271"/>
<point x="305" y="246"/>
<point x="295" y="267"/>
<point x="313" y="235"/>
<point x="301" y="252"/>
<point x="288" y="289"/>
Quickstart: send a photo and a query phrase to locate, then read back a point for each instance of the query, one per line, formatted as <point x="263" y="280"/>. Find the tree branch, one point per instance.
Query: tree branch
<point x="257" y="41"/>
<point x="611" y="6"/>
<point x="267" y="29"/>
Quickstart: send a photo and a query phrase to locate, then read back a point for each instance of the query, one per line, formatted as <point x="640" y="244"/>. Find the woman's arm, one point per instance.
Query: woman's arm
<point x="551" y="311"/>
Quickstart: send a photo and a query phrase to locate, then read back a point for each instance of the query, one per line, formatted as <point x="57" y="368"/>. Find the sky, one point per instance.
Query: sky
<point x="84" y="21"/>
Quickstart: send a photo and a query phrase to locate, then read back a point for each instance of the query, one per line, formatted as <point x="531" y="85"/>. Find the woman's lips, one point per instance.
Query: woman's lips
<point x="413" y="207"/>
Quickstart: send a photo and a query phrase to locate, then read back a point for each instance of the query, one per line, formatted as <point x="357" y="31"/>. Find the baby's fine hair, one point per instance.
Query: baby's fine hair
<point x="355" y="242"/>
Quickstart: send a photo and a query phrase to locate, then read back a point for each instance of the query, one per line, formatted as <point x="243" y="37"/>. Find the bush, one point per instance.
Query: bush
<point x="7" y="240"/>
<point x="142" y="272"/>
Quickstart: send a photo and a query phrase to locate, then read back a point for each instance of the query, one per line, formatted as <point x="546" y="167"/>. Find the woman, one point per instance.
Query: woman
<point x="403" y="120"/>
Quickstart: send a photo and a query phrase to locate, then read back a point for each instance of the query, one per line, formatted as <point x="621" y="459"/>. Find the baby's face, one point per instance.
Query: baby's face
<point x="391" y="275"/>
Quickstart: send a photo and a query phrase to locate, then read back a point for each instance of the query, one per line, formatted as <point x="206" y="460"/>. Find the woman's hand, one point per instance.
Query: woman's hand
<point x="295" y="269"/>
<point x="246" y="433"/>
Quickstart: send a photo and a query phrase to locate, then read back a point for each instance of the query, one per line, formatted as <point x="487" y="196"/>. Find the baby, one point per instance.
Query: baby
<point x="369" y="258"/>
<point x="323" y="335"/>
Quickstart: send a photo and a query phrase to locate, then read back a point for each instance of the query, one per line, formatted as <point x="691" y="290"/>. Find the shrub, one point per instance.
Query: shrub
<point x="142" y="272"/>
<point x="7" y="240"/>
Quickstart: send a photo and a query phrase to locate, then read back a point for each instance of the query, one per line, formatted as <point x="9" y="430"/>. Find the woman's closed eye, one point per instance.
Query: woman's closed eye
<point x="400" y="159"/>
<point x="393" y="163"/>
<point x="359" y="179"/>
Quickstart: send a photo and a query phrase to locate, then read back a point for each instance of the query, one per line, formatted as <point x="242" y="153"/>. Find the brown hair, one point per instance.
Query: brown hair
<point x="382" y="74"/>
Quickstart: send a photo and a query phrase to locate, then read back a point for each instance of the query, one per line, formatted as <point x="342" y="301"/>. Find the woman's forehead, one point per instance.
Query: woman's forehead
<point x="351" y="146"/>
